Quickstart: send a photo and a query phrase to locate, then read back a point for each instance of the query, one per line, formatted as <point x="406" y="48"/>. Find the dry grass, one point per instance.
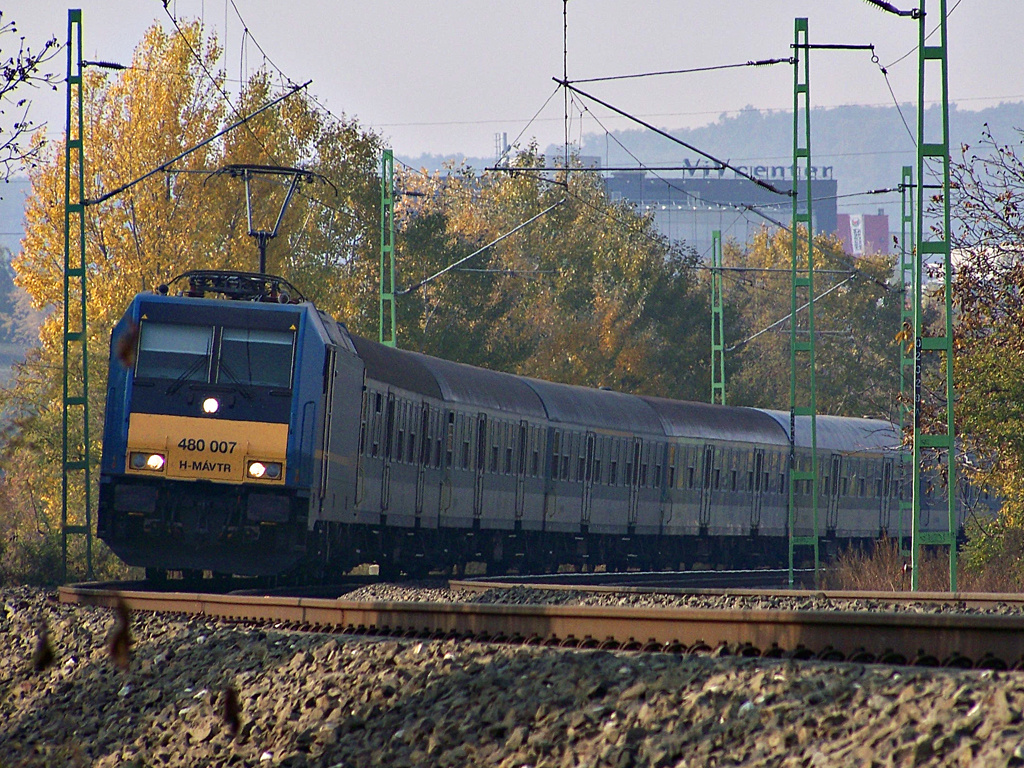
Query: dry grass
<point x="883" y="568"/>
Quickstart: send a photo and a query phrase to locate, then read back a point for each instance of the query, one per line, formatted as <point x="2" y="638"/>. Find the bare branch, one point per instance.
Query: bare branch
<point x="25" y="69"/>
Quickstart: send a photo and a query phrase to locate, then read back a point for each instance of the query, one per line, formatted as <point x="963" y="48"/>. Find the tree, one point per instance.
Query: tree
<point x="184" y="219"/>
<point x="589" y="293"/>
<point x="19" y="323"/>
<point x="856" y="317"/>
<point x="989" y="342"/>
<point x="19" y="71"/>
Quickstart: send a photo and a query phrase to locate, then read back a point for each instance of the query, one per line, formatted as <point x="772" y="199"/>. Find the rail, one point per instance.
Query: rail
<point x="946" y="639"/>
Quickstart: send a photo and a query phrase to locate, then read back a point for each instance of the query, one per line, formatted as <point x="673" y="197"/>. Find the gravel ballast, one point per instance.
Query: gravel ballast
<point x="328" y="700"/>
<point x="522" y="595"/>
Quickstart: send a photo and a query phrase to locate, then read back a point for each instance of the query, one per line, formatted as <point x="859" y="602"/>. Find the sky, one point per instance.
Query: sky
<point x="447" y="77"/>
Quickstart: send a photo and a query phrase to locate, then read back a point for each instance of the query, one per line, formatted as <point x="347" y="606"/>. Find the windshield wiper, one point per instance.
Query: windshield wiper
<point x="242" y="387"/>
<point x="186" y="375"/>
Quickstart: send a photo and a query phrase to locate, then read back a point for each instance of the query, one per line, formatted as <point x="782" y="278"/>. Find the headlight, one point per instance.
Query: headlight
<point x="211" y="405"/>
<point x="264" y="470"/>
<point x="154" y="462"/>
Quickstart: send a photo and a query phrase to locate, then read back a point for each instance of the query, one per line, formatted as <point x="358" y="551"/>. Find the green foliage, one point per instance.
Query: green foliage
<point x="855" y="324"/>
<point x="993" y="558"/>
<point x="588" y="294"/>
<point x="991" y="562"/>
<point x="989" y="340"/>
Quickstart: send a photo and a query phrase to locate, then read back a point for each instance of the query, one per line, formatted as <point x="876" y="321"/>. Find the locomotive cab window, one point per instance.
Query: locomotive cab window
<point x="177" y="352"/>
<point x="256" y="357"/>
<point x="245" y="357"/>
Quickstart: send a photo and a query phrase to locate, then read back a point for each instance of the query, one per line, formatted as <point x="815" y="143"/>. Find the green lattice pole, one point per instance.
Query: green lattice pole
<point x="717" y="322"/>
<point x="907" y="357"/>
<point x="75" y="411"/>
<point x="934" y="241"/>
<point x="802" y="350"/>
<point x="388" y="329"/>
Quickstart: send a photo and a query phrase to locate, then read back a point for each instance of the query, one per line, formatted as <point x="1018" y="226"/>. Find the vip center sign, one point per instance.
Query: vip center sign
<point x="767" y="172"/>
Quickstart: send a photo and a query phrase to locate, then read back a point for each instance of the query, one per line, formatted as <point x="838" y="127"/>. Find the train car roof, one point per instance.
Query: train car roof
<point x="479" y="387"/>
<point x="397" y="368"/>
<point x="603" y="409"/>
<point x="600" y="408"/>
<point x="448" y="381"/>
<point x="469" y="385"/>
<point x="704" y="421"/>
<point x="841" y="433"/>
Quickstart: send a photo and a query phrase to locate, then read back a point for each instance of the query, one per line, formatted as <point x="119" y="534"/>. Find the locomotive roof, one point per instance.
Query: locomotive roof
<point x="841" y="433"/>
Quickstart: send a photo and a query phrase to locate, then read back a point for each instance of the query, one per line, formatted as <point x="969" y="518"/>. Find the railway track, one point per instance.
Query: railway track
<point x="924" y="639"/>
<point x="732" y="583"/>
<point x="661" y="581"/>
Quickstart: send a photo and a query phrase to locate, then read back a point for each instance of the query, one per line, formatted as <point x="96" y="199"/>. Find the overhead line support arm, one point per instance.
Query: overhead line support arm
<point x="670" y="137"/>
<point x="164" y="166"/>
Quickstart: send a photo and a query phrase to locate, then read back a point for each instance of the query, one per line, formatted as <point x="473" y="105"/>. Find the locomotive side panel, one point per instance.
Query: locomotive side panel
<point x="339" y="453"/>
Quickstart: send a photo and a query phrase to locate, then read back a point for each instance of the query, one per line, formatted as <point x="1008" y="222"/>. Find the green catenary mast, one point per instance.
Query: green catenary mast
<point x="76" y="486"/>
<point x="717" y="323"/>
<point x="907" y="357"/>
<point x="933" y="165"/>
<point x="802" y="396"/>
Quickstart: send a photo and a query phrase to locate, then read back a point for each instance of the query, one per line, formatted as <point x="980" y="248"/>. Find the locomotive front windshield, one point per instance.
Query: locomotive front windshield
<point x="216" y="355"/>
<point x="263" y="358"/>
<point x="177" y="352"/>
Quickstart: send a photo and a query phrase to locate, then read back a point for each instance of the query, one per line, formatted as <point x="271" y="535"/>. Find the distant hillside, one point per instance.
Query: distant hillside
<point x="866" y="146"/>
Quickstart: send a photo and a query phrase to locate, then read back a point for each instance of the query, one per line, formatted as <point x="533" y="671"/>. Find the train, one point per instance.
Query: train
<point x="249" y="433"/>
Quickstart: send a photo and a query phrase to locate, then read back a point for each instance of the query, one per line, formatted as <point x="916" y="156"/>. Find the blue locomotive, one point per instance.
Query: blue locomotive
<point x="249" y="433"/>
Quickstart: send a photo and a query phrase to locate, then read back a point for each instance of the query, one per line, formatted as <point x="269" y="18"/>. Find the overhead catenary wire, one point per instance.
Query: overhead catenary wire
<point x="713" y="68"/>
<point x="349" y="213"/>
<point x="231" y="106"/>
<point x="353" y="214"/>
<point x="327" y="110"/>
<point x="214" y="81"/>
<point x="166" y="165"/>
<point x="851" y="269"/>
<point x="926" y="37"/>
<point x="656" y="175"/>
<point x="478" y="251"/>
<point x="670" y="137"/>
<point x="779" y="322"/>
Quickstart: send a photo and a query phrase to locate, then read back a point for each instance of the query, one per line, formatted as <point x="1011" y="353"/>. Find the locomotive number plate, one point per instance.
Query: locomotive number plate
<point x="208" y="449"/>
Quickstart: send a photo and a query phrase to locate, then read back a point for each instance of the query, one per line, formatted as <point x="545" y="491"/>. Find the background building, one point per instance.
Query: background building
<point x="689" y="208"/>
<point x="864" y="233"/>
